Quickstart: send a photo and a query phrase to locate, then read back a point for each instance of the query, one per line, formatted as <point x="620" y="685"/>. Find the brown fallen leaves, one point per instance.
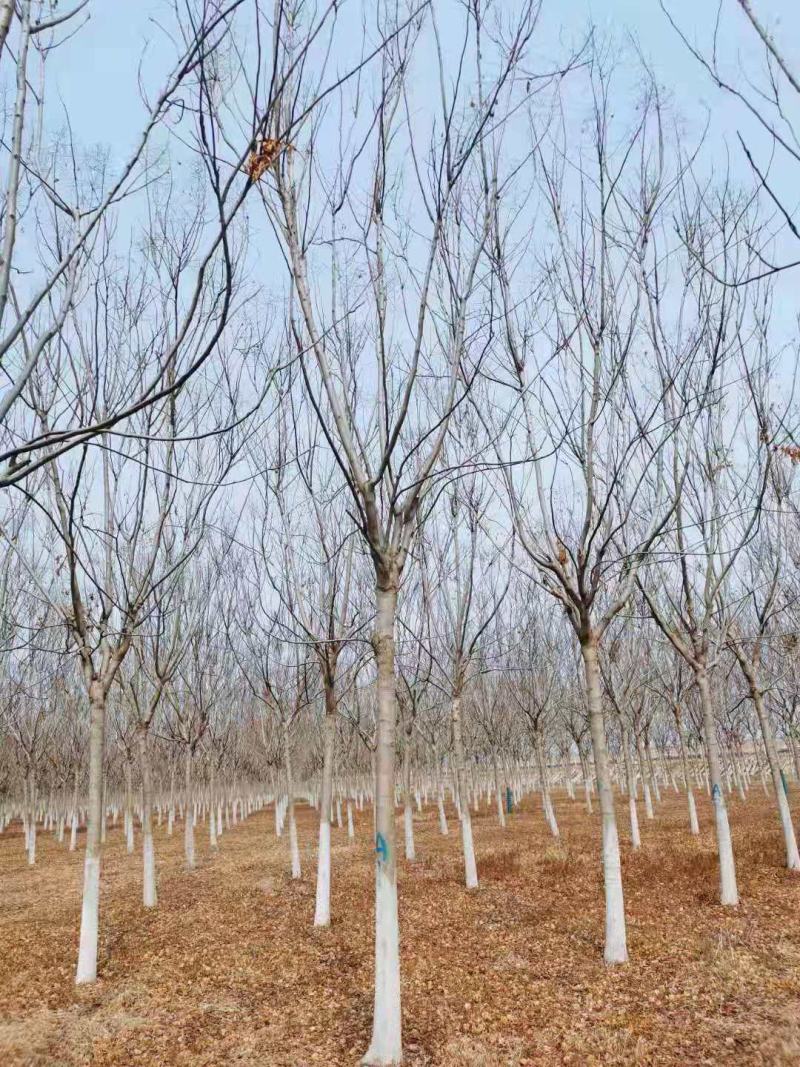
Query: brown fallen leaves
<point x="229" y="970"/>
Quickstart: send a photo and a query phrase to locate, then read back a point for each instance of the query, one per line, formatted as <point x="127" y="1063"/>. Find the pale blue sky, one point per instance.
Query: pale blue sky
<point x="96" y="73"/>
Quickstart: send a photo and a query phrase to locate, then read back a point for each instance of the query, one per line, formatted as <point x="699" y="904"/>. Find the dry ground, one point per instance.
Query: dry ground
<point x="228" y="969"/>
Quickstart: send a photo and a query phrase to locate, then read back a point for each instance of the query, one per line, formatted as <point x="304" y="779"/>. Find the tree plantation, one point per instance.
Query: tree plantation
<point x="399" y="533"/>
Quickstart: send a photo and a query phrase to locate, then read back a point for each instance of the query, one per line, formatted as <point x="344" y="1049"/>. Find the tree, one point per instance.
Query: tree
<point x="387" y="448"/>
<point x="578" y="426"/>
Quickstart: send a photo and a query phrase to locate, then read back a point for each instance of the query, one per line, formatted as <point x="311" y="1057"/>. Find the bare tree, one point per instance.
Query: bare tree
<point x="581" y="441"/>
<point x="712" y="482"/>
<point x="386" y="430"/>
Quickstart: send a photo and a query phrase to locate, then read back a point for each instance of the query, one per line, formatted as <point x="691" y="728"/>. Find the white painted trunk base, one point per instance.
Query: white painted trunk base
<point x="443" y="830"/>
<point x="90" y="917"/>
<point x="322" y="911"/>
<point x="386" y="1046"/>
<point x="149" y="893"/>
<point x="694" y="825"/>
<point x="408" y="826"/>
<point x="470" y="868"/>
<point x="293" y="845"/>
<point x="636" y="841"/>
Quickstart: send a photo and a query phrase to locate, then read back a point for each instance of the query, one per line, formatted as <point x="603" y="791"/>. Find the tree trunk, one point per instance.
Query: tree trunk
<point x="567" y="759"/>
<point x="149" y="892"/>
<point x="443" y="829"/>
<point x="129" y="842"/>
<point x="616" y="948"/>
<point x="644" y="770"/>
<point x="386" y="1045"/>
<point x="587" y="782"/>
<point x="90" y="908"/>
<point x="322" y="911"/>
<point x="653" y="772"/>
<point x="73" y="833"/>
<point x="408" y="807"/>
<point x="30" y="842"/>
<point x="795" y="755"/>
<point x="470" y="869"/>
<point x="294" y="848"/>
<point x="188" y="812"/>
<point x="636" y="841"/>
<point x="212" y="813"/>
<point x="694" y="826"/>
<point x="729" y="894"/>
<point x="498" y="791"/>
<point x="784" y="814"/>
<point x="544" y="783"/>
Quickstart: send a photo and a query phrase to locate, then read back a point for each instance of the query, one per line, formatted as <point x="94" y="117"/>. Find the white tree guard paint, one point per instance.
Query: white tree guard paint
<point x="90" y="916"/>
<point x="408" y="826"/>
<point x="322" y="910"/>
<point x="386" y="1046"/>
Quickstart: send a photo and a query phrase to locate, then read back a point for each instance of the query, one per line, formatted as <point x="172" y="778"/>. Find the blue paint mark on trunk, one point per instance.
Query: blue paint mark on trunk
<point x="382" y="847"/>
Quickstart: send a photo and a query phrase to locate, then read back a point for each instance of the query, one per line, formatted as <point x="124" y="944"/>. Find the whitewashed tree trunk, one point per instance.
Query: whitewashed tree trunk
<point x="470" y="868"/>
<point x="188" y="814"/>
<point x="587" y="784"/>
<point x="440" y="794"/>
<point x="644" y="771"/>
<point x="729" y="893"/>
<point x="30" y="842"/>
<point x="212" y="812"/>
<point x="386" y="1044"/>
<point x="795" y="756"/>
<point x="149" y="892"/>
<point x="322" y="910"/>
<point x="408" y="810"/>
<point x="636" y="841"/>
<point x="498" y="791"/>
<point x="443" y="828"/>
<point x="294" y="847"/>
<point x="616" y="948"/>
<point x="782" y="801"/>
<point x="656" y="789"/>
<point x="90" y="907"/>
<point x="544" y="781"/>
<point x="128" y="819"/>
<point x="694" y="826"/>
<point x="171" y="813"/>
<point x="73" y="832"/>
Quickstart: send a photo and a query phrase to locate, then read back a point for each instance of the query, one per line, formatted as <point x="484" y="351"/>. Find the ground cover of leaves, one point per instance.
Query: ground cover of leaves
<point x="229" y="970"/>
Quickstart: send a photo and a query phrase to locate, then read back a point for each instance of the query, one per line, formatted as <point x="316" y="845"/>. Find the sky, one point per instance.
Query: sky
<point x="96" y="73"/>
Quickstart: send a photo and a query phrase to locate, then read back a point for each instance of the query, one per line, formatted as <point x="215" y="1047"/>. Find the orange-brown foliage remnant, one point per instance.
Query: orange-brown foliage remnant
<point x="264" y="156"/>
<point x="792" y="452"/>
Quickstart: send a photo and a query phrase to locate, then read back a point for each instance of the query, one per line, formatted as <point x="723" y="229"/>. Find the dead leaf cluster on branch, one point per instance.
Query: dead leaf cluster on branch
<point x="262" y="158"/>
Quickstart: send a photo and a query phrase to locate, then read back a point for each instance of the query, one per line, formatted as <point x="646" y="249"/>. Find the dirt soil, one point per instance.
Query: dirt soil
<point x="229" y="970"/>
